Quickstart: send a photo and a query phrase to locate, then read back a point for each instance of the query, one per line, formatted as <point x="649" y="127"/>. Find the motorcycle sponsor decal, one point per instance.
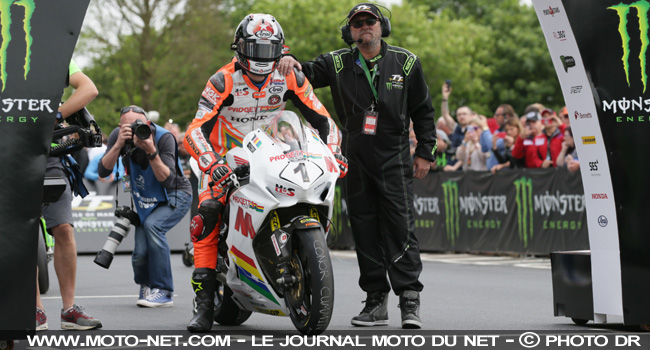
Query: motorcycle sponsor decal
<point x="275" y="221"/>
<point x="5" y="22"/>
<point x="576" y="89"/>
<point x="247" y="203"/>
<point x="251" y="147"/>
<point x="284" y="237"/>
<point x="274" y="100"/>
<point x="270" y="312"/>
<point x="263" y="30"/>
<point x="331" y="165"/>
<point x="240" y="161"/>
<point x="244" y="224"/>
<point x="313" y="212"/>
<point x="599" y="196"/>
<point x="257" y="142"/>
<point x="276" y="89"/>
<point x="249" y="273"/>
<point x="589" y="140"/>
<point x="313" y="134"/>
<point x="568" y="62"/>
<point x="593" y="168"/>
<point x="296" y="156"/>
<point x="278" y="252"/>
<point x="276" y="82"/>
<point x="259" y="94"/>
<point x="285" y="191"/>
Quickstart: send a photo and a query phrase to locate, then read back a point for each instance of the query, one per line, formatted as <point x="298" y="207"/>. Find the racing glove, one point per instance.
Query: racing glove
<point x="343" y="164"/>
<point x="220" y="174"/>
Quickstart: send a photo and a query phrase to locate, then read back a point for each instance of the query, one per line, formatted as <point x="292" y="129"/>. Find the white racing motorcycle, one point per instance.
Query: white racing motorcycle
<point x="273" y="255"/>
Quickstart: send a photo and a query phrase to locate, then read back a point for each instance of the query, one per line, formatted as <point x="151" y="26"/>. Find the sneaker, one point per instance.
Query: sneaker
<point x="144" y="293"/>
<point x="41" y="320"/>
<point x="76" y="318"/>
<point x="375" y="313"/>
<point x="158" y="298"/>
<point x="409" y="304"/>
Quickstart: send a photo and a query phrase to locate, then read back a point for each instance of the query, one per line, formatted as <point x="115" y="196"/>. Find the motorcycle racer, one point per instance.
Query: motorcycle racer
<point x="237" y="99"/>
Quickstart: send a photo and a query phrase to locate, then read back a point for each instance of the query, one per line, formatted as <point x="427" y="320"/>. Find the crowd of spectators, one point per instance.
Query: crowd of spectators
<point x="539" y="138"/>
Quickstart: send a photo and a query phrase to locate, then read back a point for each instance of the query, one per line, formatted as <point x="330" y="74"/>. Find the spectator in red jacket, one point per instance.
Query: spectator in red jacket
<point x="542" y="141"/>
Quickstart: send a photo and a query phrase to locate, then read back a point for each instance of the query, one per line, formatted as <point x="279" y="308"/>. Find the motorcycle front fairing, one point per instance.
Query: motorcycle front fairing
<point x="292" y="173"/>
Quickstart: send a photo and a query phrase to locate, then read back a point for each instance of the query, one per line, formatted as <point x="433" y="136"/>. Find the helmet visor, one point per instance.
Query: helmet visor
<point x="262" y="50"/>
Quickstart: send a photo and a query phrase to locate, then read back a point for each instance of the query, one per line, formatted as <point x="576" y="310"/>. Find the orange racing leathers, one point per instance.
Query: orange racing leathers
<point x="231" y="106"/>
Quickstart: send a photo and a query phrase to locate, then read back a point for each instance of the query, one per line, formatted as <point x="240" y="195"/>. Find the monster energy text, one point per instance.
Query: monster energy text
<point x="5" y="22"/>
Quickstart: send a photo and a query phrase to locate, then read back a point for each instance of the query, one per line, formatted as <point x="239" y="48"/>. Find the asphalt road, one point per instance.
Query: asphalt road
<point x="465" y="293"/>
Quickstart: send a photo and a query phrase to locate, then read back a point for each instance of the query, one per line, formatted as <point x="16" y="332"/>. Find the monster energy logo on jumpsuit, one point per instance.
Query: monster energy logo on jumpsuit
<point x="5" y="33"/>
<point x="642" y="7"/>
<point x="452" y="211"/>
<point x="524" y="201"/>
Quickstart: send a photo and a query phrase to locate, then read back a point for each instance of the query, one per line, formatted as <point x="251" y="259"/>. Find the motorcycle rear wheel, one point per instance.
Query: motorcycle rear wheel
<point x="311" y="299"/>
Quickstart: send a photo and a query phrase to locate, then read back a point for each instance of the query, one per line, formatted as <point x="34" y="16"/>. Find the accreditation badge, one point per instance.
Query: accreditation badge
<point x="370" y="122"/>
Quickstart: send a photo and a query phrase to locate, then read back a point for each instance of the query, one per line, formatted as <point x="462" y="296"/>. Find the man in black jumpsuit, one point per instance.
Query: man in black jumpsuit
<point x="375" y="120"/>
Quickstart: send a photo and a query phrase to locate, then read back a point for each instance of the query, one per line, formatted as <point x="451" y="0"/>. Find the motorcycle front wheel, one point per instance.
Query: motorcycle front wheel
<point x="311" y="299"/>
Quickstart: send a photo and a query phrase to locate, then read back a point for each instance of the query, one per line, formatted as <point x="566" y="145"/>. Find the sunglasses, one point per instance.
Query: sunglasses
<point x="134" y="109"/>
<point x="368" y="21"/>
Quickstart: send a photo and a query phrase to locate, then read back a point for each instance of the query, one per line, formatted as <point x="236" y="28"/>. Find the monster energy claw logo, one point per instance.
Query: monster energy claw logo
<point x="5" y="33"/>
<point x="642" y="7"/>
<point x="452" y="212"/>
<point x="524" y="200"/>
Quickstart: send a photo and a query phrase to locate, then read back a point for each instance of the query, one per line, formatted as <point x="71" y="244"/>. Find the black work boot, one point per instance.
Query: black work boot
<point x="204" y="284"/>
<point x="409" y="304"/>
<point x="375" y="313"/>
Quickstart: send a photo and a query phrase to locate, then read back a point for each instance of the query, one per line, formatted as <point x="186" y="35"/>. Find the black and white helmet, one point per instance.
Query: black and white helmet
<point x="259" y="40"/>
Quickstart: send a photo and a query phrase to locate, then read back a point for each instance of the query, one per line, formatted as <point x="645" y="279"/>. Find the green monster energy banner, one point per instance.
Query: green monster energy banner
<point x="600" y="52"/>
<point x="37" y="38"/>
<point x="523" y="211"/>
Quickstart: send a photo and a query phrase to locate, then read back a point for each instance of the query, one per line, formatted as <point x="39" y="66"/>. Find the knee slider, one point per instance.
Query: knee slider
<point x="206" y="220"/>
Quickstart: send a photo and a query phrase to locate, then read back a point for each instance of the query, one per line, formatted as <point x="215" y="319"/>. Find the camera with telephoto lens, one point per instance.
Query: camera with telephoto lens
<point x="125" y="218"/>
<point x="141" y="129"/>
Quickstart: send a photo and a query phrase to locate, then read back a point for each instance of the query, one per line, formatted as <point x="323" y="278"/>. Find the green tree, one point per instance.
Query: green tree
<point x="156" y="54"/>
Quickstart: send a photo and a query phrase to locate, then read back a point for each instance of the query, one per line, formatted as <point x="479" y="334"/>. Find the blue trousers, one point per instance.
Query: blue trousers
<point x="151" y="261"/>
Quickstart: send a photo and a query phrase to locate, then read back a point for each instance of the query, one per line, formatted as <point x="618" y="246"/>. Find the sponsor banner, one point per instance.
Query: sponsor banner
<point x="611" y="38"/>
<point x="524" y="211"/>
<point x="38" y="38"/>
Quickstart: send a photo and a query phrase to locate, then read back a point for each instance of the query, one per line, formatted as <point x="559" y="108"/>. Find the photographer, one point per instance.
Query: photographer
<point x="58" y="216"/>
<point x="161" y="193"/>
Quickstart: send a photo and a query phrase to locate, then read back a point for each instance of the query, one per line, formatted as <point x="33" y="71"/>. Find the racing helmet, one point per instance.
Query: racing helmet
<point x="259" y="40"/>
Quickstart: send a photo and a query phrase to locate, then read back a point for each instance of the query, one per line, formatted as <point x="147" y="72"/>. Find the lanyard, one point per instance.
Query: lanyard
<point x="370" y="79"/>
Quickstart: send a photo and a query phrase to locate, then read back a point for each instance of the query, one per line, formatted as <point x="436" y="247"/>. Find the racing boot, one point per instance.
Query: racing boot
<point x="375" y="313"/>
<point x="409" y="304"/>
<point x="204" y="283"/>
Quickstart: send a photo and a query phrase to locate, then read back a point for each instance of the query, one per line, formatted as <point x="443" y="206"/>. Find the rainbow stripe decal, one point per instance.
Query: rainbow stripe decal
<point x="249" y="274"/>
<point x="257" y="141"/>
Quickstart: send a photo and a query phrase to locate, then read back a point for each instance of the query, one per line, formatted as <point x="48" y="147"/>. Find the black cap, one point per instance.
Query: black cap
<point x="364" y="8"/>
<point x="533" y="116"/>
